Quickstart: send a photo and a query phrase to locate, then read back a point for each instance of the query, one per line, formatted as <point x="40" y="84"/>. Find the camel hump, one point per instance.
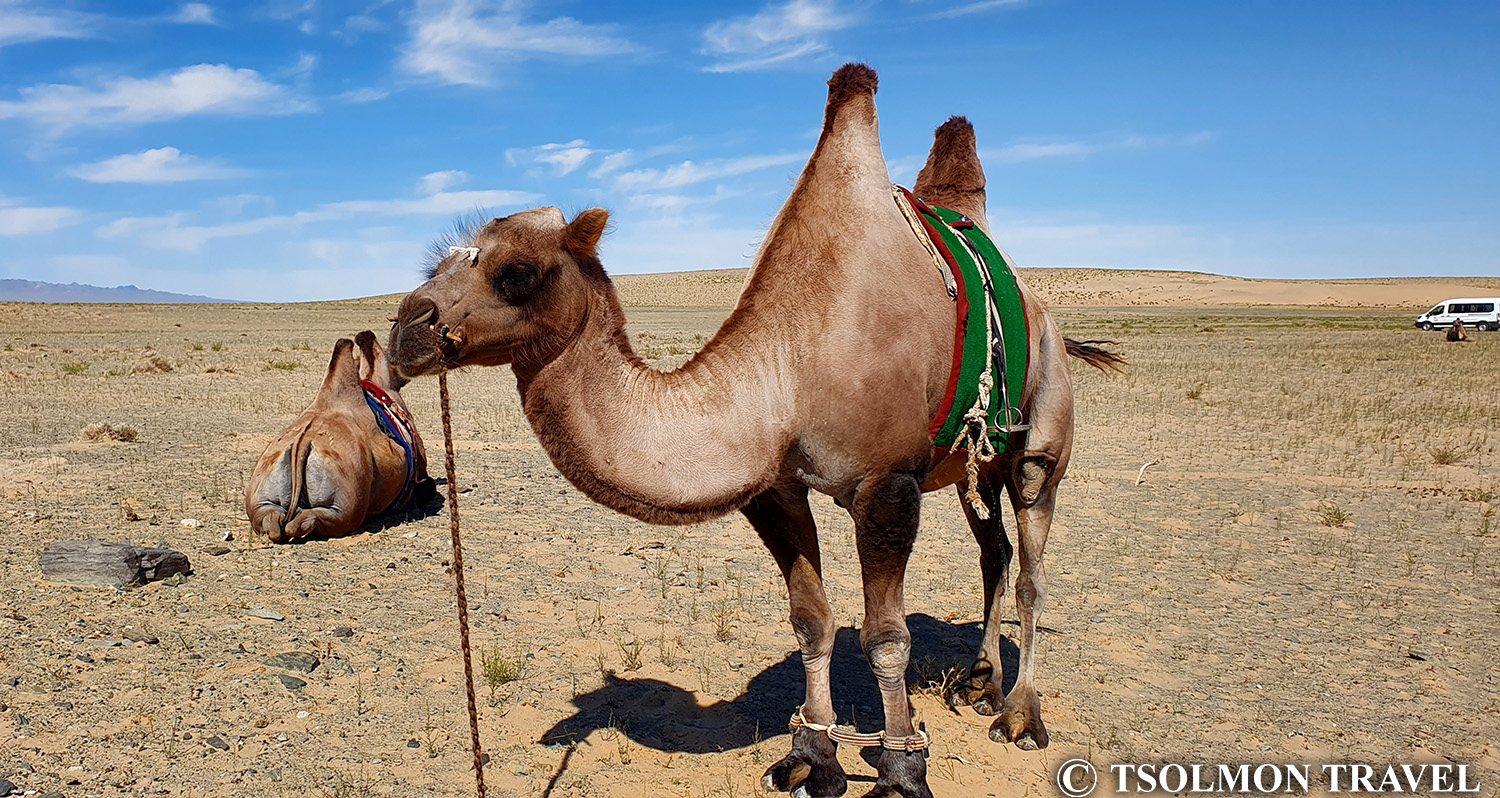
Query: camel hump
<point x="952" y="176"/>
<point x="850" y="82"/>
<point x="342" y="379"/>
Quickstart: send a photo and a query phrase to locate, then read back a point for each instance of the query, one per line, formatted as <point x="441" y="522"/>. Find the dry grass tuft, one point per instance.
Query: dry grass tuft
<point x="107" y="432"/>
<point x="151" y="365"/>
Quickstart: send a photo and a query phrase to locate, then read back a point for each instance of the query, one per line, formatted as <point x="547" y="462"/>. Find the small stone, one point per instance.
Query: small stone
<point x="6" y="788"/>
<point x="291" y="682"/>
<point x="301" y="713"/>
<point x="342" y="631"/>
<point x="294" y="661"/>
<point x="191" y="523"/>
<point x="215" y="742"/>
<point x="261" y="723"/>
<point x="216" y="550"/>
<point x="413" y="744"/>
<point x="141" y="636"/>
<point x="339" y="667"/>
<point x="262" y="612"/>
<point x="86" y="659"/>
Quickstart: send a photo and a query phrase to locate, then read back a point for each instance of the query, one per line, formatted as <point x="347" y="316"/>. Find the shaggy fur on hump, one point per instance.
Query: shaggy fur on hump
<point x="953" y="164"/>
<point x="461" y="232"/>
<point x="848" y="82"/>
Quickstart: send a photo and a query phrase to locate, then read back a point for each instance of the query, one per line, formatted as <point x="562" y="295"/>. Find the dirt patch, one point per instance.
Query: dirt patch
<point x="1212" y="612"/>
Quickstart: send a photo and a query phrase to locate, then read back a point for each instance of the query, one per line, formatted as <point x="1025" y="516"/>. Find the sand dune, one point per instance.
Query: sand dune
<point x="1106" y="288"/>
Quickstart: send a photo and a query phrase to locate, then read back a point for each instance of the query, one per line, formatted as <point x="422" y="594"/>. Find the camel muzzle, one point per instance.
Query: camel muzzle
<point x="416" y="345"/>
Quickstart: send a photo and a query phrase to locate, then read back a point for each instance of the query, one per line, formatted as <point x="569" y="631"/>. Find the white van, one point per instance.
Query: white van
<point x="1477" y="314"/>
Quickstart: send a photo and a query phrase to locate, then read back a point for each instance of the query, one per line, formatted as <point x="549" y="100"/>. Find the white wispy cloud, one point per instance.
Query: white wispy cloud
<point x="462" y="41"/>
<point x="21" y="22"/>
<point x="21" y="220"/>
<point x="162" y="165"/>
<point x="1030" y="151"/>
<point x="195" y="14"/>
<point x="690" y="172"/>
<point x="976" y="8"/>
<point x="775" y="35"/>
<point x="564" y="158"/>
<point x="204" y="89"/>
<point x="363" y="95"/>
<point x="438" y="182"/>
<point x="174" y="231"/>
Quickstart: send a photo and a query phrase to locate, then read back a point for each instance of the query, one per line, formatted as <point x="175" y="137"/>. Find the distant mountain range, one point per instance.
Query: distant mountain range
<point x="33" y="291"/>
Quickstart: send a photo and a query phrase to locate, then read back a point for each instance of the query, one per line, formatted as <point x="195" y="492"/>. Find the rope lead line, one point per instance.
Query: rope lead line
<point x="844" y="734"/>
<point x="458" y="581"/>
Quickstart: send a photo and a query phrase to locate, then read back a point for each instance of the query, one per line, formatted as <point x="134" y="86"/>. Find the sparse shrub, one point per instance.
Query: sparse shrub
<point x="108" y="432"/>
<point x="151" y="365"/>
<point x="630" y="654"/>
<point x="302" y="346"/>
<point x="74" y="369"/>
<point x="217" y="346"/>
<point x="282" y="365"/>
<point x="1196" y="392"/>
<point x="1445" y="455"/>
<point x="195" y="347"/>
<point x="1332" y="515"/>
<point x="499" y="669"/>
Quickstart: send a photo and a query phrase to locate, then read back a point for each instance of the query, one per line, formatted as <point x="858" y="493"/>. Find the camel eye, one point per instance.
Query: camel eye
<point x="517" y="282"/>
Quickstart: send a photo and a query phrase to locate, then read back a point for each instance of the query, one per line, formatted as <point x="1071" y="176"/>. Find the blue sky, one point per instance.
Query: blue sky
<point x="300" y="149"/>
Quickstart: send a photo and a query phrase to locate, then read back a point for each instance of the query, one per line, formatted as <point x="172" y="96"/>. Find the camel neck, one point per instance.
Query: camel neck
<point x="662" y="446"/>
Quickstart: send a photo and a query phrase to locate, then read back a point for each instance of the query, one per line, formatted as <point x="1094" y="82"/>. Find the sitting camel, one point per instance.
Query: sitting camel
<point x="352" y="455"/>
<point x="826" y="376"/>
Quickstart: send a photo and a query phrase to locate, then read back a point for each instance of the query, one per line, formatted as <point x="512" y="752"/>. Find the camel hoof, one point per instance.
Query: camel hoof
<point x="984" y="698"/>
<point x="1020" y="722"/>
<point x="901" y="773"/>
<point x="811" y="770"/>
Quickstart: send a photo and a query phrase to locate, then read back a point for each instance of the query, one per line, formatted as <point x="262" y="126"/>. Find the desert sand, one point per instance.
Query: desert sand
<point x="1308" y="572"/>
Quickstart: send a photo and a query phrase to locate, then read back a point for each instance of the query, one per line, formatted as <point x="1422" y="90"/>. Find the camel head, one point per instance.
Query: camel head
<point x="513" y="290"/>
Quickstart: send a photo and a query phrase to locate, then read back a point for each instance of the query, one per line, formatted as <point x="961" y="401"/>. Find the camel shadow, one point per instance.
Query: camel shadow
<point x="667" y="718"/>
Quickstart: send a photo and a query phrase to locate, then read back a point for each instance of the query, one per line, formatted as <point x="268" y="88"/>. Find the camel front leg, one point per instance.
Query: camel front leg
<point x="983" y="689"/>
<point x="886" y="516"/>
<point x="785" y="524"/>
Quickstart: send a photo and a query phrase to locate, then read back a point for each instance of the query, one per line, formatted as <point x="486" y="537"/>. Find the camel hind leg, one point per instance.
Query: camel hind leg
<point x="785" y="524"/>
<point x="329" y="506"/>
<point x="1032" y="478"/>
<point x="983" y="689"/>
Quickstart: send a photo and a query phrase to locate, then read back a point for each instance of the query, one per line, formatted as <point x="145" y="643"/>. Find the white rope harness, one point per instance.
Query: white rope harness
<point x="843" y="734"/>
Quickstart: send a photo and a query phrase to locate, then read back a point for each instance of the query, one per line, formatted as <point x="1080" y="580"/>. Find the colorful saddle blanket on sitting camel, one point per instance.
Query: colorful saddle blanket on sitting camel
<point x="396" y="424"/>
<point x="992" y="337"/>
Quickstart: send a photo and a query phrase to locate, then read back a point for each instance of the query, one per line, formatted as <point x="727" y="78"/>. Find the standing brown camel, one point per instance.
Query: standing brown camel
<point x="826" y="376"/>
<point x="335" y="466"/>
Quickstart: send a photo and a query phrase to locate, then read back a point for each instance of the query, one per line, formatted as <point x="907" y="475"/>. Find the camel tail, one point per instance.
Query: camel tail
<point x="299" y="452"/>
<point x="1094" y="354"/>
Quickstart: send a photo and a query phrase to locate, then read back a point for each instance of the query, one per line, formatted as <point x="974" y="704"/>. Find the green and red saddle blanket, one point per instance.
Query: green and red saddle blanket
<point x="396" y="424"/>
<point x="991" y="345"/>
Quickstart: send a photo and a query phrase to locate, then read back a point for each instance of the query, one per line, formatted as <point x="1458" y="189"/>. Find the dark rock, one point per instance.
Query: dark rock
<point x="6" y="788"/>
<point x="291" y="682"/>
<point x="216" y="550"/>
<point x="140" y="636"/>
<point x="95" y="563"/>
<point x="342" y="631"/>
<point x="413" y="744"/>
<point x="294" y="661"/>
<point x="215" y="742"/>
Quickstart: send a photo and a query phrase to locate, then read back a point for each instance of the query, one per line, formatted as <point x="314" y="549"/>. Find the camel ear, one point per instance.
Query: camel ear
<point x="582" y="236"/>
